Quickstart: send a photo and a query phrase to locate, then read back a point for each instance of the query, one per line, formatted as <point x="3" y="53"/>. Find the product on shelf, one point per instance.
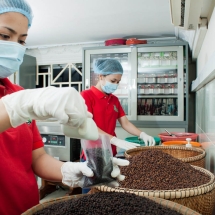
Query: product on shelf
<point x="157" y="106"/>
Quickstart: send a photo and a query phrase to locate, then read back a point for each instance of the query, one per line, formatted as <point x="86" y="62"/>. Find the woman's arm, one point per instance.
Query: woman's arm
<point x="128" y="126"/>
<point x="46" y="166"/>
<point x="4" y="118"/>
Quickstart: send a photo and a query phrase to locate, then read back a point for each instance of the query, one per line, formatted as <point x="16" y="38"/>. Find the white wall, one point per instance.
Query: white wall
<point x="59" y="54"/>
<point x="205" y="97"/>
<point x="208" y="46"/>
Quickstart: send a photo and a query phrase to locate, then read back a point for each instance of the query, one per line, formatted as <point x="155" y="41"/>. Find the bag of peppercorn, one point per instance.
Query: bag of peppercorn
<point x="99" y="158"/>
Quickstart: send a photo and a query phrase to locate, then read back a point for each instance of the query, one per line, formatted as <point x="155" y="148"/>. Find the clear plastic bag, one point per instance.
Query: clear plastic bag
<point x="99" y="158"/>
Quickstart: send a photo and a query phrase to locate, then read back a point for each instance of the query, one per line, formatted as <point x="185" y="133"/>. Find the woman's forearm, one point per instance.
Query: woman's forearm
<point x="46" y="166"/>
<point x="129" y="127"/>
<point x="4" y="118"/>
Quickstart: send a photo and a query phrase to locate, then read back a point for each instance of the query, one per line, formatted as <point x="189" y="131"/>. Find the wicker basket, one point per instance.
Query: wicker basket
<point x="172" y="205"/>
<point x="193" y="156"/>
<point x="200" y="199"/>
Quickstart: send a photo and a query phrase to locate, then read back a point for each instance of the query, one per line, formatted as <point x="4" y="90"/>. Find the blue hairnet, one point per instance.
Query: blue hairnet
<point x="107" y="67"/>
<point x="19" y="6"/>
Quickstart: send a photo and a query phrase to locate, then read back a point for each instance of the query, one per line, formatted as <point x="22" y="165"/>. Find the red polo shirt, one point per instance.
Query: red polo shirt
<point x="106" y="109"/>
<point x="18" y="186"/>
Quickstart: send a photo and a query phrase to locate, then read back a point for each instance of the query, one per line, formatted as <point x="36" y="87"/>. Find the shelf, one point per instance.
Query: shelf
<point x="157" y="96"/>
<point x="163" y="115"/>
<point x="155" y="69"/>
<point x="138" y="83"/>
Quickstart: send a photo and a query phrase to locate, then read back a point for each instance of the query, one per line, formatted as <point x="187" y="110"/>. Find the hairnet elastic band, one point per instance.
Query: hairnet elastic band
<point x="18" y="10"/>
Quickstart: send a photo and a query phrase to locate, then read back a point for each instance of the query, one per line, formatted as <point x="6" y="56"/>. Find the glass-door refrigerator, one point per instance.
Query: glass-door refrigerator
<point x="160" y="84"/>
<point x="153" y="90"/>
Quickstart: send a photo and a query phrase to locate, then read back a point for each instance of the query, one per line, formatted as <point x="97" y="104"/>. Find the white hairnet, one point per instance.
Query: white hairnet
<point x="19" y="6"/>
<point x="107" y="66"/>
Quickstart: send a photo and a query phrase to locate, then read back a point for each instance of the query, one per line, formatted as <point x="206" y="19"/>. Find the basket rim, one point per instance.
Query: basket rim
<point x="169" y="204"/>
<point x="50" y="202"/>
<point x="168" y="194"/>
<point x="188" y="159"/>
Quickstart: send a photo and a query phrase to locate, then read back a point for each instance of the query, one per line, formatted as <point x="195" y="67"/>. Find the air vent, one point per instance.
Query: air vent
<point x="182" y="12"/>
<point x="185" y="13"/>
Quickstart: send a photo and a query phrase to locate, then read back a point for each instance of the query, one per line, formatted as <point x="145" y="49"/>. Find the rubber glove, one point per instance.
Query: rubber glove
<point x="148" y="140"/>
<point x="123" y="144"/>
<point x="116" y="171"/>
<point x="73" y="172"/>
<point x="64" y="104"/>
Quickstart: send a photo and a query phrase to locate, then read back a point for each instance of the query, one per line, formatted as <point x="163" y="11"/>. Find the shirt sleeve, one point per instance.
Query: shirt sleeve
<point x="88" y="100"/>
<point x="37" y="139"/>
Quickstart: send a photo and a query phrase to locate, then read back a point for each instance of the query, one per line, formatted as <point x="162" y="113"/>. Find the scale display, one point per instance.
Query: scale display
<point x="53" y="140"/>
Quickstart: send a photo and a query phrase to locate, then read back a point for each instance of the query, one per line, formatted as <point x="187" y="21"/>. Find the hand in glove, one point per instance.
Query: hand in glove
<point x="123" y="144"/>
<point x="148" y="140"/>
<point x="116" y="171"/>
<point x="65" y="104"/>
<point x="73" y="172"/>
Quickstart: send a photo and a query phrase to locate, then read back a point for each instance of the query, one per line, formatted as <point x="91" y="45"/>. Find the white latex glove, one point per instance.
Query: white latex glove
<point x="123" y="144"/>
<point x="65" y="104"/>
<point x="148" y="140"/>
<point x="116" y="171"/>
<point x="73" y="172"/>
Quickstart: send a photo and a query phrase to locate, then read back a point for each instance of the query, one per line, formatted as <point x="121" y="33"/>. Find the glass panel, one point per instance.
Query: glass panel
<point x="157" y="83"/>
<point x="157" y="59"/>
<point x="43" y="76"/>
<point x="122" y="91"/>
<point x="157" y="106"/>
<point x="57" y="69"/>
<point x="75" y="86"/>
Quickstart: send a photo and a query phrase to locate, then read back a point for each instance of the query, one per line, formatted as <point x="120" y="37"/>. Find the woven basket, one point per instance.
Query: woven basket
<point x="200" y="199"/>
<point x="171" y="205"/>
<point x="193" y="156"/>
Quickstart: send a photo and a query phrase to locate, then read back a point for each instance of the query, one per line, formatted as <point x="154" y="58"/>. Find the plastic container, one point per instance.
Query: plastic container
<point x="140" y="141"/>
<point x="180" y="143"/>
<point x="178" y="136"/>
<point x="115" y="42"/>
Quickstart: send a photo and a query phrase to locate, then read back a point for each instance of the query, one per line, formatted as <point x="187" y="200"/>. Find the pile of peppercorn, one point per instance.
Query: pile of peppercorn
<point x="107" y="203"/>
<point x="156" y="170"/>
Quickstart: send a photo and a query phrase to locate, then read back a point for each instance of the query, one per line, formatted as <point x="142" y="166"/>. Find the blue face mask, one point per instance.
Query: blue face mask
<point x="11" y="57"/>
<point x="109" y="87"/>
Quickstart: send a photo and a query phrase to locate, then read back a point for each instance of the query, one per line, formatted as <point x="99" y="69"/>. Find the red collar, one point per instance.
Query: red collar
<point x="99" y="93"/>
<point x="6" y="87"/>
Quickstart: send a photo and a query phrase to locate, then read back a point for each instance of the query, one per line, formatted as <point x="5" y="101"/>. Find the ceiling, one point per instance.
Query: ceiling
<point x="82" y="21"/>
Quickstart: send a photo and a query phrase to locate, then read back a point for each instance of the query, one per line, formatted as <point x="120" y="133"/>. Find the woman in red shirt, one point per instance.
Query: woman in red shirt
<point x="106" y="108"/>
<point x="21" y="148"/>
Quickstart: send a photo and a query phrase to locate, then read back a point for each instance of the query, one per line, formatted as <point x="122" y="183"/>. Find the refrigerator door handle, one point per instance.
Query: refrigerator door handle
<point x="87" y="84"/>
<point x="133" y="83"/>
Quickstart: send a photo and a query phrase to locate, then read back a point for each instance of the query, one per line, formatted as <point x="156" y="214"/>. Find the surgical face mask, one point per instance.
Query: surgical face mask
<point x="109" y="87"/>
<point x="11" y="57"/>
